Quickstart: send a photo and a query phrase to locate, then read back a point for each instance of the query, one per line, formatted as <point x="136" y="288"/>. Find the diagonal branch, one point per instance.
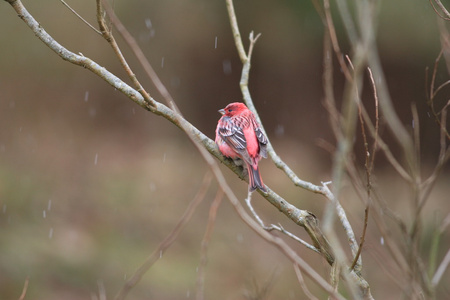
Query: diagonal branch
<point x="168" y="241"/>
<point x="80" y="17"/>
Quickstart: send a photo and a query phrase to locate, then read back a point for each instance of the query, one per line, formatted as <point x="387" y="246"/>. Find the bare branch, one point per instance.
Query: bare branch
<point x="205" y="241"/>
<point x="443" y="9"/>
<point x="236" y="33"/>
<point x="132" y="43"/>
<point x="76" y="59"/>
<point x="370" y="158"/>
<point x="248" y="200"/>
<point x="168" y="241"/>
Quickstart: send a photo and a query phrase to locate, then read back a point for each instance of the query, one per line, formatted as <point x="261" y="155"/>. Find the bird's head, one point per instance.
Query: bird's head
<point x="233" y="109"/>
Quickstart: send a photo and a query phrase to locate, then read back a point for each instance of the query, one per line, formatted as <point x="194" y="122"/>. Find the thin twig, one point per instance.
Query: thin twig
<point x="377" y="119"/>
<point x="368" y="166"/>
<point x="441" y="269"/>
<point x="432" y="94"/>
<point x="303" y="284"/>
<point x="346" y="124"/>
<point x="107" y="34"/>
<point x="369" y="162"/>
<point x="279" y="228"/>
<point x="80" y="17"/>
<point x="205" y="242"/>
<point x="235" y="30"/>
<point x="168" y="241"/>
<point x="101" y="290"/>
<point x="334" y="40"/>
<point x="131" y="42"/>
<point x="25" y="289"/>
<point x="443" y="9"/>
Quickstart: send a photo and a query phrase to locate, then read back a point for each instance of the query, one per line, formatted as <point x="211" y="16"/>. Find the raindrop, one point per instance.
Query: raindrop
<point x="96" y="159"/>
<point x="92" y="112"/>
<point x="148" y="23"/>
<point x="44" y="214"/>
<point x="226" y="64"/>
<point x="133" y="111"/>
<point x="4" y="208"/>
<point x="12" y="104"/>
<point x="188" y="293"/>
<point x="162" y="62"/>
<point x="49" y="205"/>
<point x="2" y="147"/>
<point x="279" y="130"/>
<point x="20" y="129"/>
<point x="215" y="43"/>
<point x="152" y="187"/>
<point x="86" y="96"/>
<point x="160" y="254"/>
<point x="50" y="233"/>
<point x="382" y="241"/>
<point x="175" y="82"/>
<point x="413" y="123"/>
<point x="240" y="238"/>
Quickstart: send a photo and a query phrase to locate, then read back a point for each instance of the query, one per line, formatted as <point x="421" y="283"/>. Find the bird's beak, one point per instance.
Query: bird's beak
<point x="222" y="111"/>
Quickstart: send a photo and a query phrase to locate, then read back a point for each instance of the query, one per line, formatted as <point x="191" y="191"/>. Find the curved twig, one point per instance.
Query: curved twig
<point x="443" y="9"/>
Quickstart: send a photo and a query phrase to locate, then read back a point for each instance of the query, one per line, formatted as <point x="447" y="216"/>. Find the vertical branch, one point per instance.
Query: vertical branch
<point x="369" y="161"/>
<point x="236" y="33"/>
<point x="346" y="124"/>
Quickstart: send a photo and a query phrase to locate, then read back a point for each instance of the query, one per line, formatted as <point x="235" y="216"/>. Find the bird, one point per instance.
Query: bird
<point x="239" y="136"/>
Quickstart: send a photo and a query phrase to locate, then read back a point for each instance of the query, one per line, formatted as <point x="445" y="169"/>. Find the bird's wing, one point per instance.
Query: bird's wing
<point x="235" y="138"/>
<point x="262" y="142"/>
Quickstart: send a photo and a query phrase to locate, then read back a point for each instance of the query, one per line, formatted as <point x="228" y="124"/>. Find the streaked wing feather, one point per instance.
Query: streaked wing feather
<point x="262" y="142"/>
<point x="235" y="138"/>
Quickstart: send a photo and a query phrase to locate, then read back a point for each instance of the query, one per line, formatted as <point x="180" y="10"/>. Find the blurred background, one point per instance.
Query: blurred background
<point x="90" y="183"/>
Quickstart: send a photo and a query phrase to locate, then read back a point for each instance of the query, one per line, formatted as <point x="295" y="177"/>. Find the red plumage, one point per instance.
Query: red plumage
<point x="239" y="135"/>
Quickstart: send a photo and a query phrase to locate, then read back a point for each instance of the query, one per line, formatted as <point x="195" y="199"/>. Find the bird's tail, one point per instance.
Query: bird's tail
<point x="254" y="179"/>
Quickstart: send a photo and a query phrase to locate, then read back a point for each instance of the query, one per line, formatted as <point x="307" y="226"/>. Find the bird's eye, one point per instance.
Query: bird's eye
<point x="230" y="110"/>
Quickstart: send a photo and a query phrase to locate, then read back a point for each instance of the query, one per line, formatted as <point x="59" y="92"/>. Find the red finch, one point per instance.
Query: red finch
<point x="239" y="135"/>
